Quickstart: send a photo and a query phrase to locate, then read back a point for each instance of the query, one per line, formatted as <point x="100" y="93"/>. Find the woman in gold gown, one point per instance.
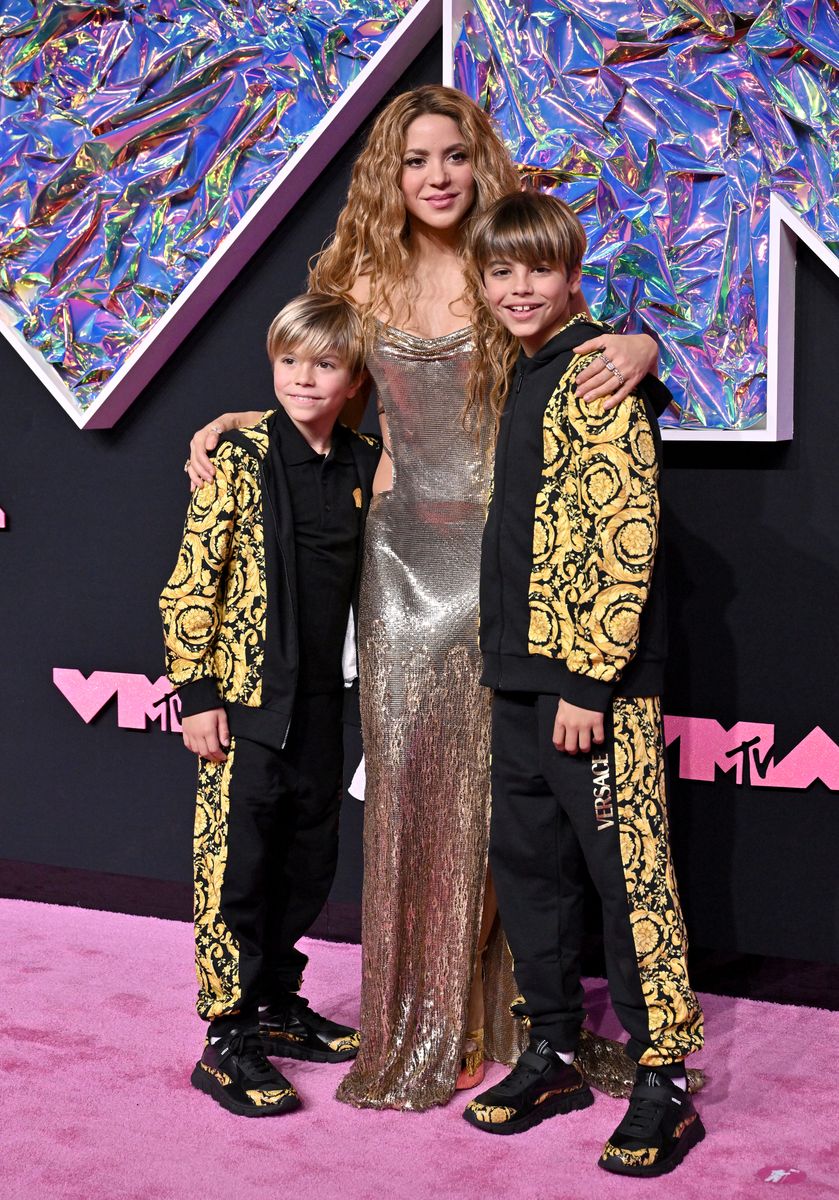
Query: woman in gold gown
<point x="437" y="979"/>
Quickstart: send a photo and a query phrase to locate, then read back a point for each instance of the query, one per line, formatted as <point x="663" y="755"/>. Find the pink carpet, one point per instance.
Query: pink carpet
<point x="100" y="1037"/>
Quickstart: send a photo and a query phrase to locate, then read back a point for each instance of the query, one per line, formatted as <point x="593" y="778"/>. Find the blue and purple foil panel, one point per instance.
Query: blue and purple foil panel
<point x="666" y="126"/>
<point x="134" y="134"/>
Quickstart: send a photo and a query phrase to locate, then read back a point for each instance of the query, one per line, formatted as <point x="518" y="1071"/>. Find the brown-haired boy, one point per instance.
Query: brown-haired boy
<point x="573" y="639"/>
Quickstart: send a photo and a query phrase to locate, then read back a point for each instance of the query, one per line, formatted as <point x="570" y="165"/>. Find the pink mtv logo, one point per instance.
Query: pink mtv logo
<point x="139" y="700"/>
<point x="747" y="750"/>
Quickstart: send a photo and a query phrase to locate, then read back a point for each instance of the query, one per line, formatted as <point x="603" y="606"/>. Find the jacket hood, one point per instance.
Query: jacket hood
<point x="579" y="329"/>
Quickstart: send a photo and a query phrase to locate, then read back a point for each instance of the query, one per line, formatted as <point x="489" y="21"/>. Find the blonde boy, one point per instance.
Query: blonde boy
<point x="255" y="619"/>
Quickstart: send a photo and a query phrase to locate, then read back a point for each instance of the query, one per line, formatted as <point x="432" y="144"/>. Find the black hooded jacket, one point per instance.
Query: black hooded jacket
<point x="572" y="590"/>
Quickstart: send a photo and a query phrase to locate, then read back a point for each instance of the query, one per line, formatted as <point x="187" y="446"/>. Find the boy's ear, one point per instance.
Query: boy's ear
<point x="362" y="378"/>
<point x="356" y="401"/>
<point x="575" y="279"/>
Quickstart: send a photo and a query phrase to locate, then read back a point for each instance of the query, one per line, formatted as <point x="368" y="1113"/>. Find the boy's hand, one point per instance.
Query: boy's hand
<point x="577" y="728"/>
<point x="207" y="734"/>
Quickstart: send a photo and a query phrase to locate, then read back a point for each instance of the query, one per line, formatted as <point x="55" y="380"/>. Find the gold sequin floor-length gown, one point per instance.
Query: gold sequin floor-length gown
<point x="425" y="722"/>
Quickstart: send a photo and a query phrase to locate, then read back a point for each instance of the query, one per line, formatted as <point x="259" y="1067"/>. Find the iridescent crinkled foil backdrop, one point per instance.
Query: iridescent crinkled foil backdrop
<point x="133" y="137"/>
<point x="666" y="125"/>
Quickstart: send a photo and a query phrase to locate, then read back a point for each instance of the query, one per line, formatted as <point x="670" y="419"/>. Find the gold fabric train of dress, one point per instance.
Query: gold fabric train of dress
<point x="608" y="1068"/>
<point x="425" y="722"/>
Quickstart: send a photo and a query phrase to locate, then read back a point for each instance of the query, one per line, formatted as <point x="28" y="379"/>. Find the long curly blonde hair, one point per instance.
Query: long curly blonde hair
<point x="372" y="236"/>
<point x="527" y="227"/>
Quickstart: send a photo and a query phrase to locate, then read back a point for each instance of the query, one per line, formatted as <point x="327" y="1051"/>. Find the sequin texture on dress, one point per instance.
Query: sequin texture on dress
<point x="425" y="722"/>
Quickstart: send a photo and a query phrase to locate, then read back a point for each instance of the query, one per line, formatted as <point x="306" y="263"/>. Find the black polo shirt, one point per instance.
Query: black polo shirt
<point x="326" y="507"/>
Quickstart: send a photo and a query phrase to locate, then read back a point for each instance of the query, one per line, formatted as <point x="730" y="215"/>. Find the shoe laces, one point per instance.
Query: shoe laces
<point x="647" y="1105"/>
<point x="248" y="1048"/>
<point x="642" y="1118"/>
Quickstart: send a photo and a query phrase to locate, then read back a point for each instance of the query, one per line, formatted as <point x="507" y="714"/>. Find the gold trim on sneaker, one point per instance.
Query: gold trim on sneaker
<point x="490" y="1114"/>
<point x="352" y="1042"/>
<point x="261" y="1097"/>
<point x="223" y="1079"/>
<point x="645" y="1157"/>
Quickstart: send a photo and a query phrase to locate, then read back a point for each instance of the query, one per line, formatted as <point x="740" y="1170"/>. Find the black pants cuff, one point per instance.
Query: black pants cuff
<point x="673" y="1070"/>
<point x="564" y="1038"/>
<point x="246" y="1022"/>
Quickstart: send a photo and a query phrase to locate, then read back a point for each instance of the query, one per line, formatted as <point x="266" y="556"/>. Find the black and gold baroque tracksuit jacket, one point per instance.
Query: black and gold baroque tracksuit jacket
<point x="230" y="608"/>
<point x="572" y="601"/>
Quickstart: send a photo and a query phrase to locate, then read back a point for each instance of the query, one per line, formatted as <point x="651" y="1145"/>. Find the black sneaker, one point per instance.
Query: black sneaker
<point x="238" y="1076"/>
<point x="659" y="1128"/>
<point x="293" y="1030"/>
<point x="539" y="1086"/>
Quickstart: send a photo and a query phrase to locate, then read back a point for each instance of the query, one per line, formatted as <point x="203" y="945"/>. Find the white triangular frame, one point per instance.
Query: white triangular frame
<point x="786" y="229"/>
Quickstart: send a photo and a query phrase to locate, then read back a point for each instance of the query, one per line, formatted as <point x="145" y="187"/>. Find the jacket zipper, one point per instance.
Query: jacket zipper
<point x="503" y="498"/>
<point x="267" y="493"/>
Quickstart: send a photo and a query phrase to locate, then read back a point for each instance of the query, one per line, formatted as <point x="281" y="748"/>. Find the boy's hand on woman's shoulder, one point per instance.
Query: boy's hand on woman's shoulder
<point x="207" y="735"/>
<point x="577" y="728"/>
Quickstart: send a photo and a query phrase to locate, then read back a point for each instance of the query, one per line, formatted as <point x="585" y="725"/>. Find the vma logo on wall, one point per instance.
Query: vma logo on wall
<point x="139" y="699"/>
<point x="705" y="749"/>
<point x="747" y="749"/>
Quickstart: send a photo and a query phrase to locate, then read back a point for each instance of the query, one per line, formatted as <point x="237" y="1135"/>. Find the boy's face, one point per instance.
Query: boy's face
<point x="532" y="302"/>
<point x="312" y="389"/>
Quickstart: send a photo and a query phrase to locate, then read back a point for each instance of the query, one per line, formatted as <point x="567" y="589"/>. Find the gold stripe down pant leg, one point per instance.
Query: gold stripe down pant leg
<point x="655" y="914"/>
<point x="216" y="950"/>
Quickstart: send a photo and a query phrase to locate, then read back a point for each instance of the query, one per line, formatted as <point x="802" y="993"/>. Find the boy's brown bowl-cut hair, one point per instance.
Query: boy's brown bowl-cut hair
<point x="531" y="228"/>
<point x="528" y="227"/>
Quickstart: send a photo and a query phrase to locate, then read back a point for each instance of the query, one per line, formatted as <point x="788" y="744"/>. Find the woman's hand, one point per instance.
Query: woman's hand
<point x="623" y="359"/>
<point x="199" y="466"/>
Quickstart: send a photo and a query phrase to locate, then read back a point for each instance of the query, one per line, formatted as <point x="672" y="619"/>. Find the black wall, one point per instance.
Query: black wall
<point x="94" y="521"/>
<point x="753" y="563"/>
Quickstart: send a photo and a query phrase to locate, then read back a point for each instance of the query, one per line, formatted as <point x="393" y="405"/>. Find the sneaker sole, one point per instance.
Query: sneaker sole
<point x="692" y="1137"/>
<point x="278" y="1048"/>
<point x="555" y="1107"/>
<point x="204" y="1082"/>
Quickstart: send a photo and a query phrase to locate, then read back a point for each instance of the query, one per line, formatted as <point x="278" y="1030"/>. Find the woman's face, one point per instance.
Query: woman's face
<point x="437" y="181"/>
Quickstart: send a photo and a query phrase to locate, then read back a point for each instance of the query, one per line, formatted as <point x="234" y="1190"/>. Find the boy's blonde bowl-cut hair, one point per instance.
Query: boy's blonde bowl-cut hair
<point x="321" y="325"/>
<point x="528" y="227"/>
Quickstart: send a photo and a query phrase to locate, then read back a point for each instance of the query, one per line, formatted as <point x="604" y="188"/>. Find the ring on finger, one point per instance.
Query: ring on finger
<point x="216" y="429"/>
<point x="610" y="366"/>
<point x="186" y="465"/>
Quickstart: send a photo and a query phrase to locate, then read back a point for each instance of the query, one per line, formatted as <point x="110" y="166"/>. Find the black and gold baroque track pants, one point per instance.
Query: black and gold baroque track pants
<point x="554" y="815"/>
<point x="265" y="852"/>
